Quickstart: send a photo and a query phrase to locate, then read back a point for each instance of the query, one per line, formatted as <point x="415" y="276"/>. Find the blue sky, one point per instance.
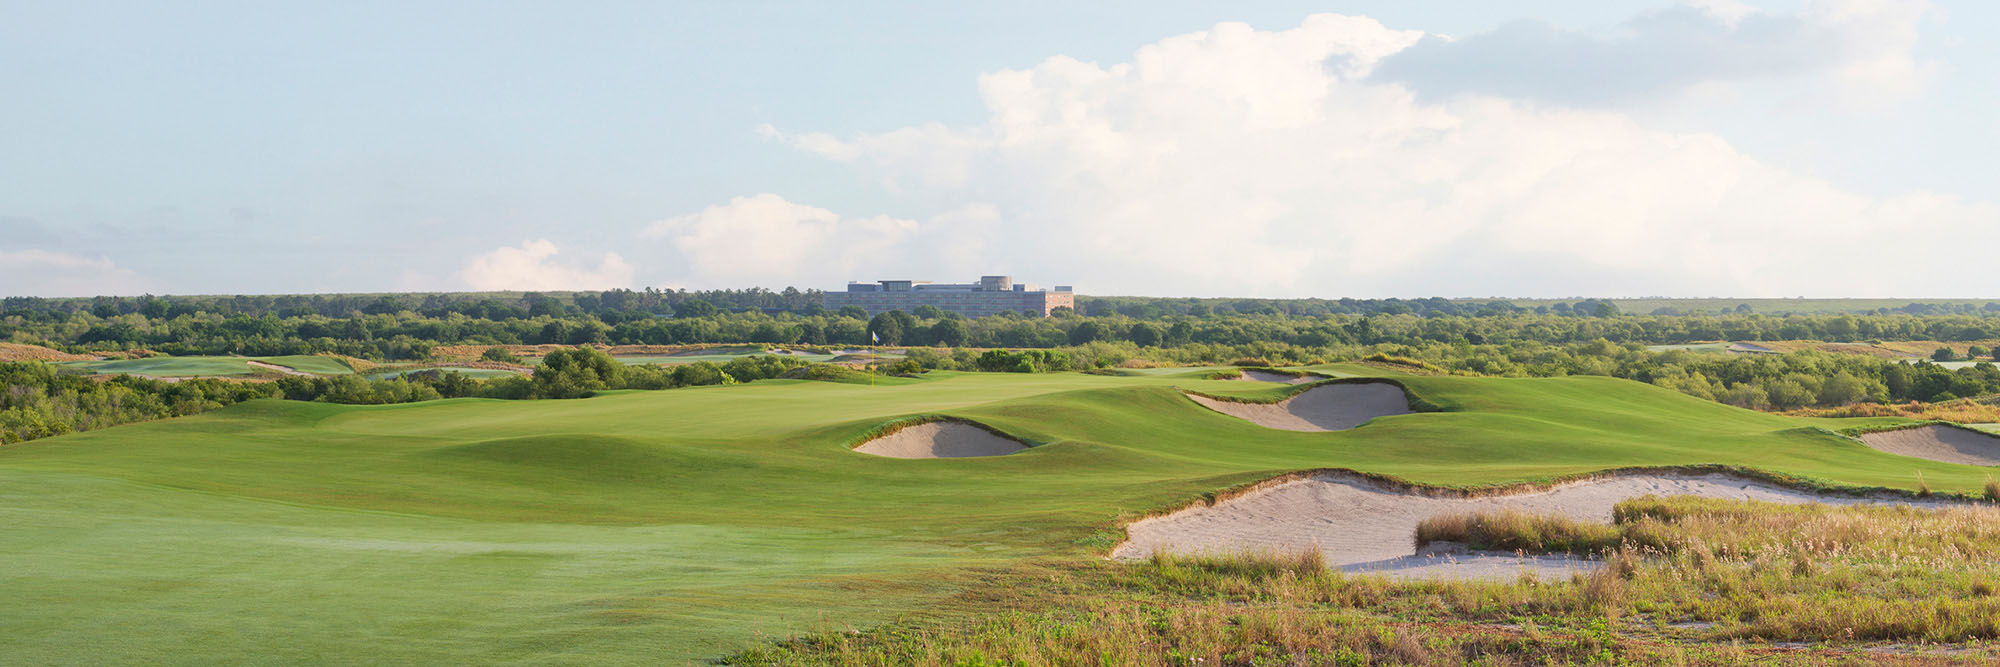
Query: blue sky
<point x="1171" y="148"/>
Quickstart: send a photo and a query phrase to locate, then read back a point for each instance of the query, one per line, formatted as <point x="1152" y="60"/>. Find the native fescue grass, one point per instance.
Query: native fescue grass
<point x="1513" y="530"/>
<point x="1781" y="572"/>
<point x="1684" y="581"/>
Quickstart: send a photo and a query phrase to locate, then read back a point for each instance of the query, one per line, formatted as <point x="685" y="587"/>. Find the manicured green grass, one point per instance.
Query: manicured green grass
<point x="209" y="366"/>
<point x="676" y="525"/>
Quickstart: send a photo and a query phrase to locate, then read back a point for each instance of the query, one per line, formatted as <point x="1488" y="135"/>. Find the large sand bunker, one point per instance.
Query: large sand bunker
<point x="1949" y="444"/>
<point x="940" y="440"/>
<point x="1268" y="376"/>
<point x="1331" y="407"/>
<point x="1365" y="526"/>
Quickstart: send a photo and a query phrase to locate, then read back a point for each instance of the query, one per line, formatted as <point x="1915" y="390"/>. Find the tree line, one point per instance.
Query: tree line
<point x="411" y="335"/>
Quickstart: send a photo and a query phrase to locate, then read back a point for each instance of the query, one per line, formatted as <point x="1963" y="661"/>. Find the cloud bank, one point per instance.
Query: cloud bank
<point x="37" y="272"/>
<point x="1244" y="162"/>
<point x="1859" y="48"/>
<point x="533" y="267"/>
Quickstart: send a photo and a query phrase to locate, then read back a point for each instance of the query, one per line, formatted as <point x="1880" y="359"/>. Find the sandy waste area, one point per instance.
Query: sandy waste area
<point x="1366" y="527"/>
<point x="1939" y="443"/>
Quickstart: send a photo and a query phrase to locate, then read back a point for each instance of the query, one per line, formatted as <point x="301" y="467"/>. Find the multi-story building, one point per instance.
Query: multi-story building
<point x="992" y="295"/>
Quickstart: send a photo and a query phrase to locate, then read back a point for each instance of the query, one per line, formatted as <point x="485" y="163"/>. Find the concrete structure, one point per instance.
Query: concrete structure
<point x="992" y="295"/>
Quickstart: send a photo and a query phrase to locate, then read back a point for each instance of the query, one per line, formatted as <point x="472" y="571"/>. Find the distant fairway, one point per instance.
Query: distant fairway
<point x="723" y="356"/>
<point x="209" y="366"/>
<point x="1691" y="347"/>
<point x="671" y="526"/>
<point x="475" y="373"/>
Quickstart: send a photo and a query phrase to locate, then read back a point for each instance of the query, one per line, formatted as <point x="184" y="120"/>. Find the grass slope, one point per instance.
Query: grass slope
<point x="675" y="525"/>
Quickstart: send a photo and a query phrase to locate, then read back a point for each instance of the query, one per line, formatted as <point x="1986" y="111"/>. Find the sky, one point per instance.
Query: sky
<point x="1460" y="148"/>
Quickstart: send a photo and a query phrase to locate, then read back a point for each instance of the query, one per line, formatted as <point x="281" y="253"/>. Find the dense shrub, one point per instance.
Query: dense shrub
<point x="37" y="401"/>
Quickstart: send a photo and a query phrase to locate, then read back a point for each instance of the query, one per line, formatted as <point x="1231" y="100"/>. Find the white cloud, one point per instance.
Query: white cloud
<point x="36" y="272"/>
<point x="766" y="240"/>
<point x="1233" y="161"/>
<point x="1859" y="51"/>
<point x="532" y="267"/>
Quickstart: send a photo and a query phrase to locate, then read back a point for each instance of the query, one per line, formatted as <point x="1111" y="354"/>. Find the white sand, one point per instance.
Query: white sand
<point x="1267" y="376"/>
<point x="1333" y="407"/>
<point x="940" y="440"/>
<point x="1939" y="443"/>
<point x="1363" y="526"/>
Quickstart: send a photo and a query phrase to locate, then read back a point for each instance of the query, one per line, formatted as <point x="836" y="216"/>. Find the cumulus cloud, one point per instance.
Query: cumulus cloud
<point x="1861" y="47"/>
<point x="36" y="272"/>
<point x="1237" y="161"/>
<point x="766" y="240"/>
<point x="532" y="266"/>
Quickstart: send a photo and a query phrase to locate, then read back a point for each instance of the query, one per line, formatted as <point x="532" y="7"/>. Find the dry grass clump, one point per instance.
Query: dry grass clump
<point x="1514" y="530"/>
<point x="1963" y="411"/>
<point x="1403" y="364"/>
<point x="1687" y="581"/>
<point x="25" y="352"/>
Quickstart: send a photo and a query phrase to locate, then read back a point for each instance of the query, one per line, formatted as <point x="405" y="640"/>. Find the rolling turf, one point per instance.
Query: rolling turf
<point x="669" y="526"/>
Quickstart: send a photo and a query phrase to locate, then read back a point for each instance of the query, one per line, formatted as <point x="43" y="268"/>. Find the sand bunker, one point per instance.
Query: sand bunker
<point x="1365" y="526"/>
<point x="1267" y="376"/>
<point x="1939" y="443"/>
<point x="940" y="440"/>
<point x="1333" y="407"/>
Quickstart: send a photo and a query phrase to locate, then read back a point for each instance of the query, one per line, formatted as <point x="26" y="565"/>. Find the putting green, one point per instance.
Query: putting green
<point x="642" y="527"/>
<point x="209" y="366"/>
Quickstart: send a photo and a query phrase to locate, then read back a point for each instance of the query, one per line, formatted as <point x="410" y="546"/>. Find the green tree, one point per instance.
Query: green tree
<point x="1841" y="389"/>
<point x="1088" y="331"/>
<point x="853" y="312"/>
<point x="576" y="373"/>
<point x="927" y="311"/>
<point x="1144" y="335"/>
<point x="1944" y="354"/>
<point x="948" y="332"/>
<point x="694" y="308"/>
<point x="886" y="329"/>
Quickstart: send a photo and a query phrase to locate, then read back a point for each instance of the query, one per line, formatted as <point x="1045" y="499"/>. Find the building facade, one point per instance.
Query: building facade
<point x="992" y="295"/>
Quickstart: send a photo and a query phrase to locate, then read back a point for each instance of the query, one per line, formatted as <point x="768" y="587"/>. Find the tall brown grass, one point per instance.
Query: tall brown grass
<point x="1512" y="530"/>
<point x="1963" y="411"/>
<point x="1686" y="579"/>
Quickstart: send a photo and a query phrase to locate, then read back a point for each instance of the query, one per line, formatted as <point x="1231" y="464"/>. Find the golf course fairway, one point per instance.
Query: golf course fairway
<point x="679" y="525"/>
